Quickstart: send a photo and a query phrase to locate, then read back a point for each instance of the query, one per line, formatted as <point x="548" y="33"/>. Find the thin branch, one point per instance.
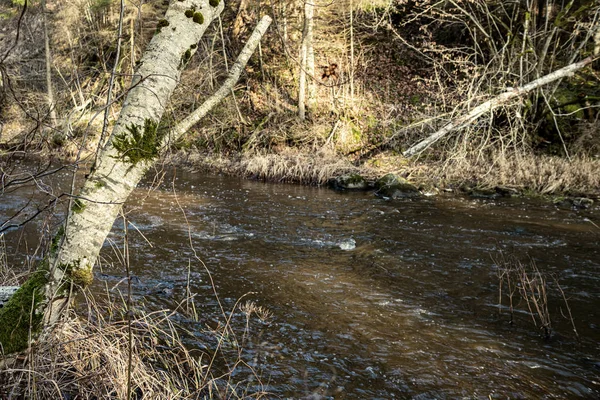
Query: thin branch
<point x="234" y="75"/>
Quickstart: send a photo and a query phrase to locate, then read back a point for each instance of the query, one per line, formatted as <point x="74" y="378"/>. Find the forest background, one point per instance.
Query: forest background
<point x="337" y="87"/>
<point x="348" y="87"/>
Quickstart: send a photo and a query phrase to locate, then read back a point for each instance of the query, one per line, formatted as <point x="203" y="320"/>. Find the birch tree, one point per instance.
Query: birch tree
<point x="134" y="144"/>
<point x="307" y="60"/>
<point x="48" y="57"/>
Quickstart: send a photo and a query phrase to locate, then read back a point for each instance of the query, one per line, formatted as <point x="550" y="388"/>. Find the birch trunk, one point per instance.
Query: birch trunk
<point x="48" y="54"/>
<point x="121" y="164"/>
<point x="497" y="101"/>
<point x="306" y="55"/>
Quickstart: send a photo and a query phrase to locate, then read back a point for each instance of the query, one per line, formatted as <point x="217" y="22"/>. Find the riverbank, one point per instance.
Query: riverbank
<point x="520" y="174"/>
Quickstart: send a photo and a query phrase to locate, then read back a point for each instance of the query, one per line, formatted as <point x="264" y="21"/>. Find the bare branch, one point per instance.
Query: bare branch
<point x="234" y="75"/>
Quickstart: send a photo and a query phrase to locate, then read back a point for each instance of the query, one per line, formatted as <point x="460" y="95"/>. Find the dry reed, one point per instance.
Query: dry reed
<point x="90" y="359"/>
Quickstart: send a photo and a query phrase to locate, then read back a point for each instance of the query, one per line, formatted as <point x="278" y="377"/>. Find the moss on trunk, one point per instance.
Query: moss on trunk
<point x="22" y="315"/>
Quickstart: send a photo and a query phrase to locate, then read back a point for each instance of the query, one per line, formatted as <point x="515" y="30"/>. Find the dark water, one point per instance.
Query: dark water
<point x="370" y="299"/>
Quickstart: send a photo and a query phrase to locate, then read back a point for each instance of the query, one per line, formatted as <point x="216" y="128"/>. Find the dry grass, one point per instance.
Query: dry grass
<point x="294" y="166"/>
<point x="288" y="165"/>
<point x="89" y="359"/>
<point x="526" y="171"/>
<point x="525" y="285"/>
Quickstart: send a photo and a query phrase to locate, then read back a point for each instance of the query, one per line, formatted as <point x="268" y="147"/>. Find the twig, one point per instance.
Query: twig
<point x="111" y="83"/>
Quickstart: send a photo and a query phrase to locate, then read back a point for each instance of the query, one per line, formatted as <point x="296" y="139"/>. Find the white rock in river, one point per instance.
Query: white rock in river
<point x="347" y="244"/>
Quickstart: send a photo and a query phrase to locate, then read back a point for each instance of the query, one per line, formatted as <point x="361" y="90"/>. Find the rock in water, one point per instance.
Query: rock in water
<point x="349" y="182"/>
<point x="395" y="187"/>
<point x="347" y="244"/>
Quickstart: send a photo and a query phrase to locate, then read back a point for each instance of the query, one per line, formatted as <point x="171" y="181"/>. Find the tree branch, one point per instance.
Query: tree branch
<point x="489" y="105"/>
<point x="234" y="75"/>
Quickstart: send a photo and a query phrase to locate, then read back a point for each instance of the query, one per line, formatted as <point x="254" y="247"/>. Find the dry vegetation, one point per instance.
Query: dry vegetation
<point x="108" y="355"/>
<point x="405" y="69"/>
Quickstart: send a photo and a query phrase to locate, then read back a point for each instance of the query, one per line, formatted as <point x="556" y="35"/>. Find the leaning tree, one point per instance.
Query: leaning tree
<point x="135" y="142"/>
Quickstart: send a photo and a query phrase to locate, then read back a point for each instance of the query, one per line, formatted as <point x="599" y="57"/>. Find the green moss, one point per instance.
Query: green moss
<point x="78" y="206"/>
<point x="189" y="13"/>
<point x="56" y="239"/>
<point x="161" y="24"/>
<point x="77" y="275"/>
<point x="214" y="3"/>
<point x="21" y="315"/>
<point x="74" y="276"/>
<point x="82" y="277"/>
<point x="136" y="145"/>
<point x="99" y="184"/>
<point x="198" y="17"/>
<point x="355" y="178"/>
<point x="185" y="58"/>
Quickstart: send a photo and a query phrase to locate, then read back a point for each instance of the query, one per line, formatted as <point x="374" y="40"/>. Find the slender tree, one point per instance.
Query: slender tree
<point x="48" y="54"/>
<point x="306" y="58"/>
<point x="135" y="142"/>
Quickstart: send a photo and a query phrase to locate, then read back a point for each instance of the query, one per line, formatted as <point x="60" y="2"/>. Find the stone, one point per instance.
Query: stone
<point x="349" y="182"/>
<point x="394" y="187"/>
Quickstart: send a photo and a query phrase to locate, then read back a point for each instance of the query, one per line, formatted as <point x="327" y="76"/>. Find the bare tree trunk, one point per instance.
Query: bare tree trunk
<point x="489" y="105"/>
<point x="305" y="51"/>
<point x="49" y="89"/>
<point x="351" y="50"/>
<point x="310" y="60"/>
<point x="284" y="10"/>
<point x="134" y="144"/>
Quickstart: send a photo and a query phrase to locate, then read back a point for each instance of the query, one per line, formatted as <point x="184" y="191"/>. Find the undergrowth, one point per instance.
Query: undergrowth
<point x="89" y="358"/>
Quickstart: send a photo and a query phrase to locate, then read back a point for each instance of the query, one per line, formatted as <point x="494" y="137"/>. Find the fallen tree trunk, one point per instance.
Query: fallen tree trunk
<point x="130" y="151"/>
<point x="497" y="101"/>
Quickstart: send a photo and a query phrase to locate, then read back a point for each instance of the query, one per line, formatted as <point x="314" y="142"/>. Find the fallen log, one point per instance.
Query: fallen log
<point x="497" y="101"/>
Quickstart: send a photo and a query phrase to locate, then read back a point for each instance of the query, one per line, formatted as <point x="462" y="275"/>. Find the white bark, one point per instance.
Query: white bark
<point x="234" y="75"/>
<point x="489" y="105"/>
<point x="114" y="178"/>
<point x="305" y="57"/>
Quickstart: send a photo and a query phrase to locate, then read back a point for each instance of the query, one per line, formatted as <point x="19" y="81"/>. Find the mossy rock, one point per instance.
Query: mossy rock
<point x="349" y="182"/>
<point x="580" y="203"/>
<point x="507" y="191"/>
<point x="394" y="187"/>
<point x="492" y="193"/>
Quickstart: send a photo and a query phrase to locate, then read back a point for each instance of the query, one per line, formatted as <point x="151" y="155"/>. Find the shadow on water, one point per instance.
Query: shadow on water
<point x="373" y="298"/>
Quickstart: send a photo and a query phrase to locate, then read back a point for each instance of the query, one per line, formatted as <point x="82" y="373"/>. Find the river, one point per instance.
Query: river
<point x="368" y="298"/>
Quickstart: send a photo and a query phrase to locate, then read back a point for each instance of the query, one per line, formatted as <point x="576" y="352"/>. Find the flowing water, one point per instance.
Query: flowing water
<point x="369" y="298"/>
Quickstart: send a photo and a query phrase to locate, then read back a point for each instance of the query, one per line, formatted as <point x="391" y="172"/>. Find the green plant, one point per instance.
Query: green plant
<point x="137" y="145"/>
